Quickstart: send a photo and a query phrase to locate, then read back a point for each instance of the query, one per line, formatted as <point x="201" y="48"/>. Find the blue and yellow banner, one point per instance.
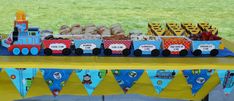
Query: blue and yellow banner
<point x="158" y="83"/>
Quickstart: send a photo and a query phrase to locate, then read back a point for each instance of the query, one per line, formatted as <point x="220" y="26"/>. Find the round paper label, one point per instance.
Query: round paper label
<point x="57" y="46"/>
<point x="176" y="47"/>
<point x="147" y="47"/>
<point x="88" y="46"/>
<point x="117" y="47"/>
<point x="206" y="47"/>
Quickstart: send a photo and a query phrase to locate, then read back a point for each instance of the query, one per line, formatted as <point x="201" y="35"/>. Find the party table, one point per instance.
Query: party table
<point x="177" y="89"/>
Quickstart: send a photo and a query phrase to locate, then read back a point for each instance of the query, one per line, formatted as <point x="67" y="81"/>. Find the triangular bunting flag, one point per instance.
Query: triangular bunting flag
<point x="161" y="78"/>
<point x="39" y="87"/>
<point x="56" y="78"/>
<point x="74" y="86"/>
<point x="107" y="86"/>
<point x="227" y="80"/>
<point x="197" y="78"/>
<point x="22" y="78"/>
<point x="8" y="92"/>
<point x="127" y="78"/>
<point x="91" y="78"/>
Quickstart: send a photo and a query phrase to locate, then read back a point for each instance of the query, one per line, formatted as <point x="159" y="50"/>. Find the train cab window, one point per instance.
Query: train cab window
<point x="32" y="33"/>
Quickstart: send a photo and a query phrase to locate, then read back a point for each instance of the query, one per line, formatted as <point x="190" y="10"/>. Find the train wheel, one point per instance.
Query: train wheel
<point x="137" y="52"/>
<point x="48" y="51"/>
<point x="214" y="52"/>
<point x="25" y="51"/>
<point x="79" y="51"/>
<point x="66" y="51"/>
<point x="166" y="52"/>
<point x="197" y="52"/>
<point x="34" y="51"/>
<point x="155" y="52"/>
<point x="183" y="52"/>
<point x="126" y="52"/>
<point x="16" y="51"/>
<point x="96" y="51"/>
<point x="107" y="52"/>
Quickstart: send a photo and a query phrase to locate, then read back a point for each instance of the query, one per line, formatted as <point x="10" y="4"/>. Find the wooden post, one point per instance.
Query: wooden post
<point x="206" y="98"/>
<point x="103" y="97"/>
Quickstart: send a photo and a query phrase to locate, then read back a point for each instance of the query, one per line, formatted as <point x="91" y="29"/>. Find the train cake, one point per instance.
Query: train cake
<point x="175" y="39"/>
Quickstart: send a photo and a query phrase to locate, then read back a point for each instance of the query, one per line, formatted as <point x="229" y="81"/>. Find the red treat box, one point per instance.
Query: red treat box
<point x="176" y="45"/>
<point x="117" y="46"/>
<point x="57" y="47"/>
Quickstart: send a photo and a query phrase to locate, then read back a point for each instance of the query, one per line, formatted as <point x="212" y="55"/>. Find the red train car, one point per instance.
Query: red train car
<point x="175" y="45"/>
<point x="117" y="47"/>
<point x="60" y="46"/>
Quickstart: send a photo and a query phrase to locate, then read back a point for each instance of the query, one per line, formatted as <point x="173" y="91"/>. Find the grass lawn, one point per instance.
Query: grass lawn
<point x="132" y="14"/>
